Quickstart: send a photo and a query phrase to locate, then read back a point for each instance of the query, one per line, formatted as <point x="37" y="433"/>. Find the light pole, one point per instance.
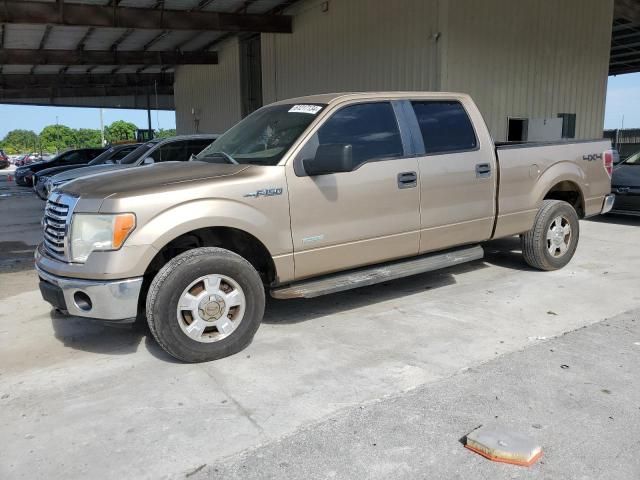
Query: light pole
<point x="57" y="136"/>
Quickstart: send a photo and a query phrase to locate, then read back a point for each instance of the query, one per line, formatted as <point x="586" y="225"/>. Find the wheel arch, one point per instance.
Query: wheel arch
<point x="233" y="239"/>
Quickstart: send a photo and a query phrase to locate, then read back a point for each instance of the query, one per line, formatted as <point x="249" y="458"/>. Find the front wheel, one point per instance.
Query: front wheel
<point x="552" y="241"/>
<point x="205" y="304"/>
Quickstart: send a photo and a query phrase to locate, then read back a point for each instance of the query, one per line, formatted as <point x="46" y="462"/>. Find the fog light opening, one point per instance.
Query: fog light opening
<point x="82" y="301"/>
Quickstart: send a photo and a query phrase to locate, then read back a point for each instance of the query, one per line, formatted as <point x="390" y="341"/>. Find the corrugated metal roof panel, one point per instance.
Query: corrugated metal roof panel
<point x="65" y="38"/>
<point x="138" y="39"/>
<point x="23" y="36"/>
<point x="103" y="38"/>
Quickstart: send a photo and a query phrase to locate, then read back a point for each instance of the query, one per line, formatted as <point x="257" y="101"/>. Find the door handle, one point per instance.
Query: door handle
<point x="407" y="180"/>
<point x="483" y="170"/>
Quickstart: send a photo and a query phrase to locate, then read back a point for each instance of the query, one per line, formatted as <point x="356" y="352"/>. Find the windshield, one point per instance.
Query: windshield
<point x="138" y="152"/>
<point x="263" y="137"/>
<point x="633" y="159"/>
<point x="103" y="157"/>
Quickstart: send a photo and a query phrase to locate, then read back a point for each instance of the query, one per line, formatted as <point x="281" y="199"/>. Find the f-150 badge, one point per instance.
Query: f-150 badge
<point x="267" y="192"/>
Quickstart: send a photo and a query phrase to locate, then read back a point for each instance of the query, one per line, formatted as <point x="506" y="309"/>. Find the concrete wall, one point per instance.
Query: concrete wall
<point x="213" y="91"/>
<point x="530" y="58"/>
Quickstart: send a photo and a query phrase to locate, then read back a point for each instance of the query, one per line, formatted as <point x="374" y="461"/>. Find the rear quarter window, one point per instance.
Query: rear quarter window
<point x="445" y="126"/>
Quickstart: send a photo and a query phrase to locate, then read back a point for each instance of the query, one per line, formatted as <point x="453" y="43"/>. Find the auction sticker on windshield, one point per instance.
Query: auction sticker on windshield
<point x="311" y="109"/>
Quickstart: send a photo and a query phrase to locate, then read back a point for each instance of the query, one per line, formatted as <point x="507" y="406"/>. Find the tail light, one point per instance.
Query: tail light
<point x="607" y="159"/>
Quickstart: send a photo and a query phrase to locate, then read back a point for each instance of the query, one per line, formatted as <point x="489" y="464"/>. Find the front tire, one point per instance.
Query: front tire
<point x="205" y="304"/>
<point x="553" y="240"/>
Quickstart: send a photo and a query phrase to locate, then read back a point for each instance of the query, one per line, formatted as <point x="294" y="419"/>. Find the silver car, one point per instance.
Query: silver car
<point x="172" y="149"/>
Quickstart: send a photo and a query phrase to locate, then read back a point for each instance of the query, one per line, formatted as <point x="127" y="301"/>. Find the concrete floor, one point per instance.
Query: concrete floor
<point x="78" y="399"/>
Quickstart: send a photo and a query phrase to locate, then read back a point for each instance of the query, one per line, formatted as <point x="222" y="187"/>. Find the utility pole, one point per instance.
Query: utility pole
<point x="149" y="113"/>
<point x="101" y="129"/>
<point x="57" y="136"/>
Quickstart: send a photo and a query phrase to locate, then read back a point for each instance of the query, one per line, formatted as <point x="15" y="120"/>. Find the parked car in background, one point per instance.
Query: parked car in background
<point x="24" y="174"/>
<point x="625" y="184"/>
<point x="20" y="161"/>
<point x="4" y="160"/>
<point x="308" y="197"/>
<point x="109" y="156"/>
<point x="172" y="149"/>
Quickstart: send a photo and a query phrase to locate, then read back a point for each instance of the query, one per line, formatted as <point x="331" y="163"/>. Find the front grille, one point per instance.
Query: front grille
<point x="57" y="216"/>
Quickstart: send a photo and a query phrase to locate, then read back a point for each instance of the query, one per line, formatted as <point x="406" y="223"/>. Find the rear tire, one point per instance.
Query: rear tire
<point x="553" y="240"/>
<point x="205" y="304"/>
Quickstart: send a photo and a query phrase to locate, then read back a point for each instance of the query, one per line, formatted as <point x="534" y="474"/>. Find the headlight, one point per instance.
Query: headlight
<point x="99" y="232"/>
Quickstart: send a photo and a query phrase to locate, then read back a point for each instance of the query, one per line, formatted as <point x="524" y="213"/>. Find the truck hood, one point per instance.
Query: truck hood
<point x="140" y="179"/>
<point x="84" y="171"/>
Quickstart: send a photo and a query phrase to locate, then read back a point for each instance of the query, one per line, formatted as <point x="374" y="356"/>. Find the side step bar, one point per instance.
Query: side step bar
<point x="363" y="277"/>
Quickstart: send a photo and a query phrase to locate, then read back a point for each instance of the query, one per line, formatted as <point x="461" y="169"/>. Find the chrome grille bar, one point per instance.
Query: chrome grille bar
<point x="56" y="223"/>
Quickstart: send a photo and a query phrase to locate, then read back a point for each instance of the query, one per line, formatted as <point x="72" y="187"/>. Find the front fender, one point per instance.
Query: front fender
<point x="183" y="218"/>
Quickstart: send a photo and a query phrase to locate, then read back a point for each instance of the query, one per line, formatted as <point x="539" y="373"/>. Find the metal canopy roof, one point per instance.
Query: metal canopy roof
<point x="57" y="51"/>
<point x="64" y="49"/>
<point x="625" y="38"/>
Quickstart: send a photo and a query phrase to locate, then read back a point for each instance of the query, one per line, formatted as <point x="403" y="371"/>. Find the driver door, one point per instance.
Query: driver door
<point x="365" y="216"/>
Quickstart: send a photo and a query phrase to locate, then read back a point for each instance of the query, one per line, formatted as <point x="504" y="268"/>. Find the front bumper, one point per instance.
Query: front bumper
<point x="607" y="205"/>
<point x="41" y="189"/>
<point x="23" y="180"/>
<point x="109" y="300"/>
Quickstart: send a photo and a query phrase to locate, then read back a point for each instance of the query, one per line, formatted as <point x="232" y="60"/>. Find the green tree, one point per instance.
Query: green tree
<point x="57" y="138"/>
<point x="162" y="133"/>
<point x="88" y="137"/>
<point x="20" y="141"/>
<point x="120" y="130"/>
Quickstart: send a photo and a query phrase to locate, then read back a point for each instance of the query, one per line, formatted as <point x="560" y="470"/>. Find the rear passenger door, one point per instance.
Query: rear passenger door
<point x="364" y="216"/>
<point x="457" y="172"/>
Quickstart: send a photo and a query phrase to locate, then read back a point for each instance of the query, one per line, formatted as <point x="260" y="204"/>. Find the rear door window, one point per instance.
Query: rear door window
<point x="197" y="145"/>
<point x="445" y="126"/>
<point x="172" y="152"/>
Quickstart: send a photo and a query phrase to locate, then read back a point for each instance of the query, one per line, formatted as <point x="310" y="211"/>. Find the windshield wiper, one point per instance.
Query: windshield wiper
<point x="224" y="155"/>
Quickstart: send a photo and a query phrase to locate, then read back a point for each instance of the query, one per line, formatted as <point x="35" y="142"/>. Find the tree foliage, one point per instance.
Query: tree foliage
<point x="120" y="130"/>
<point x="56" y="138"/>
<point x="162" y="133"/>
<point x="19" y="141"/>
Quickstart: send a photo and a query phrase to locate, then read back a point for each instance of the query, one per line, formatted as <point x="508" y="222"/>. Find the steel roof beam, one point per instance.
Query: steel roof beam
<point x="66" y="92"/>
<point x="104" y="57"/>
<point x="16" y="81"/>
<point x="89" y="15"/>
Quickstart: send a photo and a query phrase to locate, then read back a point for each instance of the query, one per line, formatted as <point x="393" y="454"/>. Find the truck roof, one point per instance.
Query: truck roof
<point x="328" y="98"/>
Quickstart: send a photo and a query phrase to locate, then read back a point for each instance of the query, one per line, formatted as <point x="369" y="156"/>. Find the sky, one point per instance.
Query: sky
<point x="36" y="118"/>
<point x="623" y="99"/>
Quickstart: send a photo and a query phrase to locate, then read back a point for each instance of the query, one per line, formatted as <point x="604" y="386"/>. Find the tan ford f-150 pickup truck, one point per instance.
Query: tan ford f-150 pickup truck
<point x="306" y="197"/>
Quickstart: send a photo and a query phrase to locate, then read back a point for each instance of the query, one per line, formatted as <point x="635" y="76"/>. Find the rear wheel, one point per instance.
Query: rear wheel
<point x="551" y="243"/>
<point x="205" y="304"/>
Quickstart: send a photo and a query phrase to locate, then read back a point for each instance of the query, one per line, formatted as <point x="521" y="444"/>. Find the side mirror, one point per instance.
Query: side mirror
<point x="148" y="161"/>
<point x="330" y="158"/>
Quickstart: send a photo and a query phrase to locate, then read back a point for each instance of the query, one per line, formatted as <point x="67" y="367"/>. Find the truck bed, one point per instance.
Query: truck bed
<point x="528" y="171"/>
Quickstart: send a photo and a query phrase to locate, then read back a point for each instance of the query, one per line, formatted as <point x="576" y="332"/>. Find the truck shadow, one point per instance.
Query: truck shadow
<point x="506" y="253"/>
<point x="108" y="339"/>
<point x="626" y="220"/>
<point x="283" y="312"/>
<point x="97" y="337"/>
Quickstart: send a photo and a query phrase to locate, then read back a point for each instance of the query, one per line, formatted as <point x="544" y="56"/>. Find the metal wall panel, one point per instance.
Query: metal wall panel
<point x="209" y="93"/>
<point x="525" y="58"/>
<point x="356" y="45"/>
<point x="530" y="58"/>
